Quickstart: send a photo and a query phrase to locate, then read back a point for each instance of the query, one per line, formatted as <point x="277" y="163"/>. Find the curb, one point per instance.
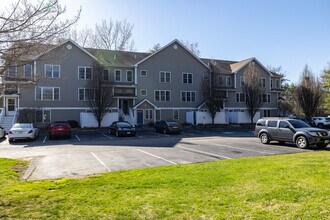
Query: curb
<point x="30" y="170"/>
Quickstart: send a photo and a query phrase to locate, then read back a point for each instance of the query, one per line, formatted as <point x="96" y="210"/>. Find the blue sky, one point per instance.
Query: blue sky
<point x="287" y="33"/>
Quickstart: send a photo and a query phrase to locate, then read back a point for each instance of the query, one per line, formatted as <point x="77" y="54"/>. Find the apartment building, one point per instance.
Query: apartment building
<point x="145" y="87"/>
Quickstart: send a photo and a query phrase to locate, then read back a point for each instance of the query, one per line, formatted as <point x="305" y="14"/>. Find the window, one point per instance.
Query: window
<point x="267" y="113"/>
<point x="220" y="81"/>
<point x="43" y="116"/>
<point x="162" y="96"/>
<point x="278" y="83"/>
<point x="117" y="75"/>
<point x="157" y="115"/>
<point x="86" y="94"/>
<point x="12" y="71"/>
<point x="84" y="72"/>
<point x="228" y="81"/>
<point x="271" y="83"/>
<point x="283" y="124"/>
<point x="188" y="96"/>
<point x="264" y="97"/>
<point x="143" y="73"/>
<point x="240" y="97"/>
<point x="129" y="76"/>
<point x="175" y="114"/>
<point x="164" y="77"/>
<point x="272" y="124"/>
<point x="106" y="75"/>
<point x="27" y="70"/>
<point x="187" y="78"/>
<point x="143" y="92"/>
<point x="206" y="76"/>
<point x="262" y="82"/>
<point x="47" y="93"/>
<point x="242" y="80"/>
<point x="148" y="114"/>
<point x="52" y="71"/>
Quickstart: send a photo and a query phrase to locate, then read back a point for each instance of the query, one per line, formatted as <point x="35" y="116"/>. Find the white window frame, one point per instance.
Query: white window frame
<point x="127" y="71"/>
<point x="115" y="75"/>
<point x="242" y="79"/>
<point x="43" y="114"/>
<point x="268" y="98"/>
<point x="25" y="70"/>
<point x="190" y="95"/>
<point x="148" y="114"/>
<point x="85" y="72"/>
<point x="160" y="114"/>
<point x="84" y="94"/>
<point x="218" y="82"/>
<point x="146" y="73"/>
<point x="42" y="93"/>
<point x="52" y="67"/>
<point x="178" y="112"/>
<point x="146" y="92"/>
<point x="107" y="75"/>
<point x="188" y="74"/>
<point x="238" y="97"/>
<point x="165" y="73"/>
<point x="277" y="83"/>
<point x="160" y="91"/>
<point x="262" y="82"/>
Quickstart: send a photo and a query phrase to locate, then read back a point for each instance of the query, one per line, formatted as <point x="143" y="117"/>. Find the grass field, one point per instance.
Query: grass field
<point x="295" y="186"/>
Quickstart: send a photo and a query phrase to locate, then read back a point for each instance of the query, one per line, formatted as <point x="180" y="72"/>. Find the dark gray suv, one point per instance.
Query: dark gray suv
<point x="291" y="130"/>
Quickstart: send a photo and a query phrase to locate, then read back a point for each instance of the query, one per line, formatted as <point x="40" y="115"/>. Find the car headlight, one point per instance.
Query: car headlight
<point x="313" y="133"/>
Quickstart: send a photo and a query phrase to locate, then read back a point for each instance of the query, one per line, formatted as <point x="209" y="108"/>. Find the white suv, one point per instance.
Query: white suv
<point x="322" y="122"/>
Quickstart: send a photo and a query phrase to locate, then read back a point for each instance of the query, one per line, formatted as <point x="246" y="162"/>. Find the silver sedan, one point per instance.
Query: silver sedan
<point x="23" y="131"/>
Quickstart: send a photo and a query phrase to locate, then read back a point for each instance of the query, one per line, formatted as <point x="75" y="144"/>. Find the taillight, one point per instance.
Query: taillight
<point x="10" y="132"/>
<point x="30" y="131"/>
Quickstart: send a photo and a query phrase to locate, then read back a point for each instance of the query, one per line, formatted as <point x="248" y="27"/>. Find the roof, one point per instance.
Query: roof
<point x="142" y="101"/>
<point x="219" y="66"/>
<point x="117" y="58"/>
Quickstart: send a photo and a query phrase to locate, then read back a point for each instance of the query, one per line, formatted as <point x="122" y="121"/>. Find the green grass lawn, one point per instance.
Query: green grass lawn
<point x="295" y="186"/>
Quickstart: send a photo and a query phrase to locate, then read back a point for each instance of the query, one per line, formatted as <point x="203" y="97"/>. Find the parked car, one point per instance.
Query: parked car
<point x="322" y="122"/>
<point x="122" y="128"/>
<point x="291" y="130"/>
<point x="59" y="128"/>
<point x="167" y="127"/>
<point x="309" y="121"/>
<point x="2" y="132"/>
<point x="23" y="131"/>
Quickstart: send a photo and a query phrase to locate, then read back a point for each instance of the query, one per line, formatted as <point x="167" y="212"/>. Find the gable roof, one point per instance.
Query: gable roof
<point x="142" y="101"/>
<point x="169" y="44"/>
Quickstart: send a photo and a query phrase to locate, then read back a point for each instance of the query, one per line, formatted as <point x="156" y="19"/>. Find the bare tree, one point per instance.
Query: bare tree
<point x="25" y="26"/>
<point x="99" y="93"/>
<point x="193" y="47"/>
<point x="308" y="93"/>
<point x="252" y="89"/>
<point x="155" y="48"/>
<point x="108" y="35"/>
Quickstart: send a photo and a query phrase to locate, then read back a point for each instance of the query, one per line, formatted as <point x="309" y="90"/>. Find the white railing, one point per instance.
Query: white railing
<point x="2" y="113"/>
<point x="15" y="116"/>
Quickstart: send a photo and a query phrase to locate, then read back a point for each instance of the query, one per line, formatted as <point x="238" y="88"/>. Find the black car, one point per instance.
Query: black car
<point x="122" y="128"/>
<point x="167" y="127"/>
<point x="309" y="121"/>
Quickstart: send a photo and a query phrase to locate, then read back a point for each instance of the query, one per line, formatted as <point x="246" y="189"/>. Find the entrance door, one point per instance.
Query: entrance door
<point x="140" y="117"/>
<point x="11" y="106"/>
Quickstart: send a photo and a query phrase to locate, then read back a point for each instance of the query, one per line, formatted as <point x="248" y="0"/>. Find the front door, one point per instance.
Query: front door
<point x="11" y="106"/>
<point x="140" y="117"/>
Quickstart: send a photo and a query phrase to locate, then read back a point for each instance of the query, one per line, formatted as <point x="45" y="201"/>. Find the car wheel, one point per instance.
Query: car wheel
<point x="321" y="145"/>
<point x="320" y="125"/>
<point x="264" y="138"/>
<point x="10" y="140"/>
<point x="302" y="142"/>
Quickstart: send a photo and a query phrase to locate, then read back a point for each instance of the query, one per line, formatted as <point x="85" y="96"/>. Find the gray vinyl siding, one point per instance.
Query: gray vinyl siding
<point x="177" y="61"/>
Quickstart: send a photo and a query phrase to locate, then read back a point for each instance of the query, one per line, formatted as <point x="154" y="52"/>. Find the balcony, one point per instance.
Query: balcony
<point x="124" y="92"/>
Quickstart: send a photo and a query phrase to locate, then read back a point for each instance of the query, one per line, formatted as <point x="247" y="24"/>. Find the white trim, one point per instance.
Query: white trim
<point x="114" y="75"/>
<point x="145" y="91"/>
<point x="52" y="67"/>
<point x="160" y="115"/>
<point x="143" y="75"/>
<point x="144" y="100"/>
<point x="241" y="81"/>
<point x="145" y="114"/>
<point x="244" y="108"/>
<point x="25" y="72"/>
<point x="127" y="76"/>
<point x="253" y="59"/>
<point x="15" y="71"/>
<point x="63" y="108"/>
<point x="176" y="119"/>
<point x="228" y="77"/>
<point x="35" y="70"/>
<point x="235" y="78"/>
<point x="42" y="93"/>
<point x="160" y="95"/>
<point x="262" y="79"/>
<point x="186" y="96"/>
<point x="192" y="78"/>
<point x="169" y="44"/>
<point x="135" y="76"/>
<point x="165" y="73"/>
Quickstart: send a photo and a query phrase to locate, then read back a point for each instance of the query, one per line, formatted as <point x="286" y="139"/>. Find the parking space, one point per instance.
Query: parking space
<point x="89" y="153"/>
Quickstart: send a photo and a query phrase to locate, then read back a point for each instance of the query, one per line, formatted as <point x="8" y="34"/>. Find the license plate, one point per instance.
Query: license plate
<point x="128" y="132"/>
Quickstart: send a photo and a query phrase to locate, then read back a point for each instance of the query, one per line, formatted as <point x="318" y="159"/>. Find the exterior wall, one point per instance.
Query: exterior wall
<point x="177" y="61"/>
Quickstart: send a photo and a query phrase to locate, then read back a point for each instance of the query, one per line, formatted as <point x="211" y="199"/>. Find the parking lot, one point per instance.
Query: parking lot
<point x="94" y="152"/>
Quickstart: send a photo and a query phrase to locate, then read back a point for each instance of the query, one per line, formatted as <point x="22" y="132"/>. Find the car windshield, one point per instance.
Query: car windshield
<point x="298" y="124"/>
<point x="172" y="123"/>
<point x="60" y="124"/>
<point x="22" y="126"/>
<point x="123" y="125"/>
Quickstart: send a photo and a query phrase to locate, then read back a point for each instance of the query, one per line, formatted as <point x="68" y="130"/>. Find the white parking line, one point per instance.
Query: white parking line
<point x="157" y="157"/>
<point x="204" y="152"/>
<point x="101" y="162"/>
<point x="77" y="137"/>
<point x="239" y="148"/>
<point x="44" y="140"/>
<point x="107" y="136"/>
